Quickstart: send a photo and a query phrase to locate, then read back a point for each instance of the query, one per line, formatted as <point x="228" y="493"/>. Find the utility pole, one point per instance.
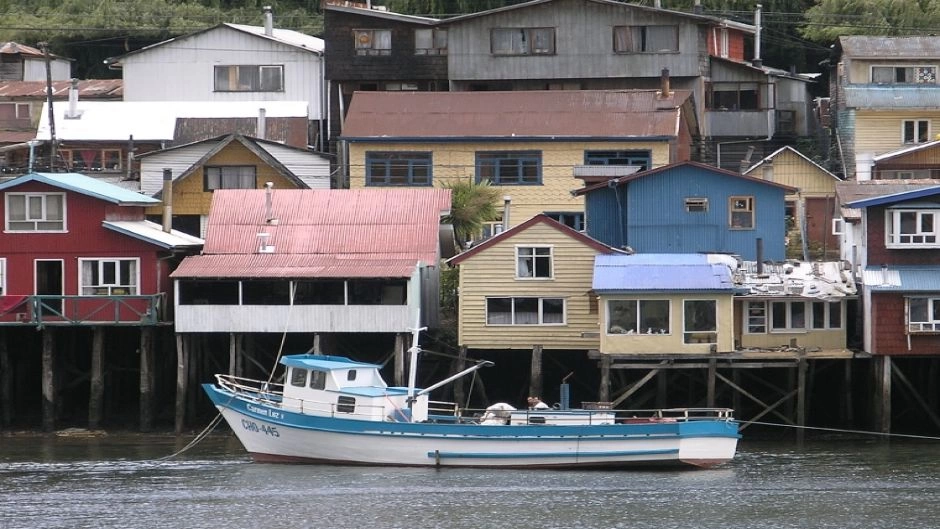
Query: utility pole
<point x="53" y="153"/>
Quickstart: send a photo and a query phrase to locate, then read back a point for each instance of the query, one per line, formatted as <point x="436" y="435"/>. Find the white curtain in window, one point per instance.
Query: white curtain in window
<point x="17" y="205"/>
<point x="424" y="39"/>
<point x="382" y="39"/>
<point x="88" y="276"/>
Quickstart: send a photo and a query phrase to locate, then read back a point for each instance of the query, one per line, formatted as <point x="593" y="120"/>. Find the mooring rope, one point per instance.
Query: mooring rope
<point x="845" y="430"/>
<point x="196" y="440"/>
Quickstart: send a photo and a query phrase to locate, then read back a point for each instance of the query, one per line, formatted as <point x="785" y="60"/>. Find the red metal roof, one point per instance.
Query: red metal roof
<point x="19" y="49"/>
<point x="320" y="233"/>
<point x="87" y="89"/>
<point x="543" y="113"/>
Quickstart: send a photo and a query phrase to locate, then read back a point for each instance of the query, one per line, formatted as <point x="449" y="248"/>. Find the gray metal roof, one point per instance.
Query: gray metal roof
<point x="826" y="280"/>
<point x="892" y="96"/>
<point x="902" y="278"/>
<point x="880" y="47"/>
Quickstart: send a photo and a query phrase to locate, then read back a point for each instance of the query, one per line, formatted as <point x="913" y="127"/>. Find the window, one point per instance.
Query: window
<point x="298" y="377"/>
<point x="92" y="159"/>
<point x="522" y="41"/>
<point x="108" y="277"/>
<point x="923" y="314"/>
<point x="915" y="131"/>
<point x="430" y="42"/>
<point x="525" y="311"/>
<point x="373" y="41"/>
<point x="13" y="111"/>
<point x="573" y="220"/>
<point x="637" y="316"/>
<point x="787" y="316"/>
<point x="638" y="158"/>
<point x="838" y="226"/>
<point x="351" y="375"/>
<point x="646" y="39"/>
<point x="345" y="404"/>
<point x="398" y="168"/>
<point x="3" y="276"/>
<point x="903" y="74"/>
<point x="756" y="317"/>
<point x="533" y="262"/>
<point x="721" y="41"/>
<point x="35" y="212"/>
<point x="827" y="315"/>
<point x="509" y="167"/>
<point x="208" y="292"/>
<point x="741" y="213"/>
<point x="911" y="228"/>
<point x="734" y="96"/>
<point x="701" y="321"/>
<point x="696" y="205"/>
<point x="317" y="379"/>
<point x="230" y="177"/>
<point x="249" y="78"/>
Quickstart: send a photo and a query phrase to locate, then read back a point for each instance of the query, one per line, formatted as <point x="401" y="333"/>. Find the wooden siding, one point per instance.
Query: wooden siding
<point x="878" y="254"/>
<point x="791" y="169"/>
<point x="492" y="272"/>
<point x="177" y="160"/>
<point x="583" y="44"/>
<point x="672" y="343"/>
<point x="878" y="132"/>
<point x="825" y="339"/>
<point x="190" y="196"/>
<point x="150" y="75"/>
<point x="888" y="330"/>
<point x="453" y="161"/>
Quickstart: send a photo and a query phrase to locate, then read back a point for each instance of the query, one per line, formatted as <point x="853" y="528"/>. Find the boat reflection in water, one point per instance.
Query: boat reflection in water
<point x="335" y="410"/>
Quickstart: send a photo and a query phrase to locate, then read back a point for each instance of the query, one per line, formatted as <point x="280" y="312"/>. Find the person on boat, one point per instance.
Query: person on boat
<point x="536" y="403"/>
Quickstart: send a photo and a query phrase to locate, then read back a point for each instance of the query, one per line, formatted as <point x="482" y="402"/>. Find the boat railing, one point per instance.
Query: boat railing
<point x="251" y="388"/>
<point x="592" y="414"/>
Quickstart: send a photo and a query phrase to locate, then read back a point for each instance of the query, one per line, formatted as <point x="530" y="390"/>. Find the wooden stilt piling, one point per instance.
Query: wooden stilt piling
<point x="801" y="399"/>
<point x="48" y="380"/>
<point x="535" y="373"/>
<point x="96" y="382"/>
<point x="400" y="359"/>
<point x="6" y="381"/>
<point x="146" y="378"/>
<point x="604" y="391"/>
<point x="710" y="391"/>
<point x="182" y="377"/>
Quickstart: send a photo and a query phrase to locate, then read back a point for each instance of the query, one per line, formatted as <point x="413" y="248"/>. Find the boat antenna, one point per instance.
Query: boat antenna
<point x="280" y="349"/>
<point x="413" y="352"/>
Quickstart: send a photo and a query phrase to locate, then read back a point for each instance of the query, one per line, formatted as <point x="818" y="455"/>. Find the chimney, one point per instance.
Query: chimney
<point x="269" y="217"/>
<point x="268" y="21"/>
<point x="262" y="124"/>
<point x="697" y="7"/>
<point x="757" y="63"/>
<point x="664" y="82"/>
<point x="507" y="200"/>
<point x="72" y="112"/>
<point x="658" y="4"/>
<point x="167" y="200"/>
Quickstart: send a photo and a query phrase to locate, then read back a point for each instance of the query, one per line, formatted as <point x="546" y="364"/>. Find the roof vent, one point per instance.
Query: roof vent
<point x="263" y="246"/>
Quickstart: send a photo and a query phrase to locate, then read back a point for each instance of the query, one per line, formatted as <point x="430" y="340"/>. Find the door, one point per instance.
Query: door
<point x="50" y="282"/>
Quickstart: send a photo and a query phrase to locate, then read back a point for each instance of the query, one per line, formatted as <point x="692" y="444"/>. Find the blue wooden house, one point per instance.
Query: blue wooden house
<point x="689" y="207"/>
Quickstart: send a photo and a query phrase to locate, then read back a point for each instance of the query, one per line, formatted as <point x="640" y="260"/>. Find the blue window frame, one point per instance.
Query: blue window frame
<point x="641" y="158"/>
<point x="509" y="167"/>
<point x="398" y="168"/>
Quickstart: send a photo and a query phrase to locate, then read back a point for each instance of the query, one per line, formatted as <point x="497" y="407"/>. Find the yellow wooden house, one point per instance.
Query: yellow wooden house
<point x="812" y="206"/>
<point x="529" y="143"/>
<point x="227" y="162"/>
<point x="530" y="287"/>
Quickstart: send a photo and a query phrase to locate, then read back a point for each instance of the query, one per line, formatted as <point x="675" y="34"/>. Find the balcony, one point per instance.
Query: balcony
<point x="137" y="310"/>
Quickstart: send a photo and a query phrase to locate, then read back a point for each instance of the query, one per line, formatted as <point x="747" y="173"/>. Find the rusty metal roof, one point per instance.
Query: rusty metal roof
<point x="880" y="47"/>
<point x="390" y="116"/>
<point x="15" y="48"/>
<point x="87" y="89"/>
<point x="320" y="233"/>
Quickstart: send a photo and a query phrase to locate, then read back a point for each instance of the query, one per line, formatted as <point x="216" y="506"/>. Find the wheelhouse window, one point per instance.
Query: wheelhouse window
<point x="230" y="177"/>
<point x="533" y="262"/>
<point x="646" y="39"/>
<point x="638" y="316"/>
<point x="915" y="131"/>
<point x="640" y="159"/>
<point x="317" y="379"/>
<point x="39" y="212"/>
<point x="904" y="74"/>
<point x="525" y="311"/>
<point x="431" y="41"/>
<point x="522" y="41"/>
<point x="741" y="213"/>
<point x="249" y="78"/>
<point x="109" y="277"/>
<point x="509" y="167"/>
<point x="298" y="377"/>
<point x="923" y="314"/>
<point x="373" y="41"/>
<point x="700" y="321"/>
<point x="907" y="228"/>
<point x="787" y="316"/>
<point x="398" y="168"/>
<point x="92" y="159"/>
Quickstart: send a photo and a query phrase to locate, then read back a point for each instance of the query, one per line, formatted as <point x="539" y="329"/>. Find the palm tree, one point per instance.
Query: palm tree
<point x="472" y="205"/>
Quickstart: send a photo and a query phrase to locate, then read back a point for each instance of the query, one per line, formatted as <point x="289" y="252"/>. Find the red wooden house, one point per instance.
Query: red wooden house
<point x="77" y="250"/>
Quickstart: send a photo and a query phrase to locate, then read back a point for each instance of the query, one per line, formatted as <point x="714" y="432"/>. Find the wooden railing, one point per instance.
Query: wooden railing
<point x="39" y="310"/>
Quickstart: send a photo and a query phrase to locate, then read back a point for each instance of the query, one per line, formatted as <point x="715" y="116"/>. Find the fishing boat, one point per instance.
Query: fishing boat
<point x="335" y="410"/>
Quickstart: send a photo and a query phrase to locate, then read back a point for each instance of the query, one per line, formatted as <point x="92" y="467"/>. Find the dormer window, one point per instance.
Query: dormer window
<point x="911" y="228"/>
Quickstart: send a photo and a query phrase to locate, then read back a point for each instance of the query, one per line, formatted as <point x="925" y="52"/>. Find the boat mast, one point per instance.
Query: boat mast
<point x="413" y="352"/>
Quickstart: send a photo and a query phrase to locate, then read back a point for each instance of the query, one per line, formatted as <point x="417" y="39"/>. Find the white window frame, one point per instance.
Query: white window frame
<point x="639" y="318"/>
<point x="919" y="238"/>
<point x="871" y="72"/>
<point x="28" y="197"/>
<point x="531" y="254"/>
<point x="929" y="325"/>
<point x="838" y="226"/>
<point x="687" y="334"/>
<point x="915" y="139"/>
<point x="755" y="317"/>
<point x="789" y="328"/>
<point x="827" y="323"/>
<point x="541" y="311"/>
<point x="259" y="70"/>
<point x="119" y="287"/>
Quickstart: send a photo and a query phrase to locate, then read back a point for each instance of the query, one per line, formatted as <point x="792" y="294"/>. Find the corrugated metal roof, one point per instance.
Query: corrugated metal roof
<point x="659" y="273"/>
<point x="853" y="191"/>
<point x="85" y="185"/>
<point x="827" y="280"/>
<point x="14" y="136"/>
<point x="893" y="97"/>
<point x="152" y="120"/>
<point x="902" y="278"/>
<point x="153" y="233"/>
<point x="377" y="11"/>
<point x="666" y="168"/>
<point x="87" y="89"/>
<point x="14" y="48"/>
<point x="514" y="115"/>
<point x="892" y="198"/>
<point x="906" y="150"/>
<point x="874" y="47"/>
<point x="320" y="233"/>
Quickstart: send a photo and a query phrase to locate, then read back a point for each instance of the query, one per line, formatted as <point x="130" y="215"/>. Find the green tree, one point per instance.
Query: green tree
<point x="472" y="204"/>
<point x="829" y="19"/>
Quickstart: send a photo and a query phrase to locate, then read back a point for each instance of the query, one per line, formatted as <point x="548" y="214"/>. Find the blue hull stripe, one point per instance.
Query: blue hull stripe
<point x="517" y="455"/>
